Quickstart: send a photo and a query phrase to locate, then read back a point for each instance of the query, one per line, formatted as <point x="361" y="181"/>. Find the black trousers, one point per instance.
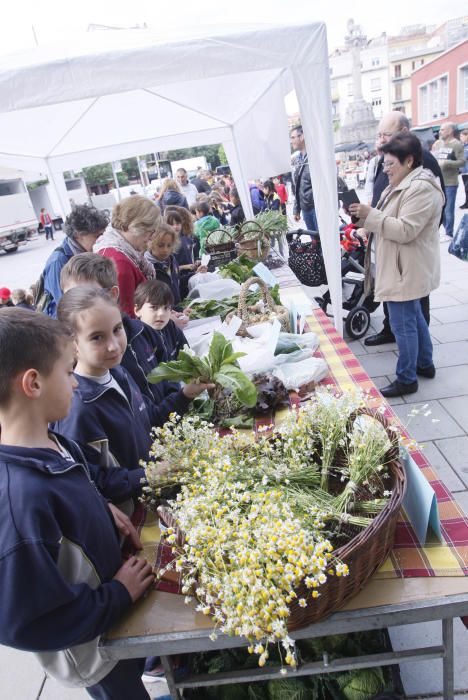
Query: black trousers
<point x="425" y="308"/>
<point x="465" y="183"/>
<point x="122" y="683"/>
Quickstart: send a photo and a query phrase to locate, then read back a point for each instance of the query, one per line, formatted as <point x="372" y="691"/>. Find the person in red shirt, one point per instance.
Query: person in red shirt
<point x="134" y="221"/>
<point x="282" y="193"/>
<point x="46" y="223"/>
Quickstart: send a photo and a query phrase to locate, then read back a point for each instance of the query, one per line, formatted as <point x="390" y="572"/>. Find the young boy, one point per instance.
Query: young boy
<point x="62" y="585"/>
<point x="205" y="224"/>
<point x="145" y="348"/>
<point x="153" y="305"/>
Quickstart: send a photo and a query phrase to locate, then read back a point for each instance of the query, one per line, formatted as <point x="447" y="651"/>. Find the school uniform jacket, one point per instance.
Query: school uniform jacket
<point x="116" y="427"/>
<point x="146" y="348"/>
<point x="59" y="551"/>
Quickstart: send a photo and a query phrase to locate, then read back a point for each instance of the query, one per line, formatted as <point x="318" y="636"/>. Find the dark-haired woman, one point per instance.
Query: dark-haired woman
<point x="404" y="243"/>
<point x="83" y="226"/>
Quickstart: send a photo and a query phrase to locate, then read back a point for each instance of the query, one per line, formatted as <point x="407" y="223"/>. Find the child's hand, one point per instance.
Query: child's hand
<point x="125" y="526"/>
<point x="191" y="391"/>
<point x="136" y="575"/>
<point x="179" y="319"/>
<point x="202" y="268"/>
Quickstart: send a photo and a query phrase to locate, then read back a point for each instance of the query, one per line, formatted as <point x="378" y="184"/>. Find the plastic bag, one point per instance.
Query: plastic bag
<point x="296" y="374"/>
<point x="200" y="278"/>
<point x="290" y="342"/>
<point x="219" y="289"/>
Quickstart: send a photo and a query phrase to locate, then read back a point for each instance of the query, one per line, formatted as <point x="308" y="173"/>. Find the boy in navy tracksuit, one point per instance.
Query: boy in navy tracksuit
<point x="62" y="586"/>
<point x="153" y="304"/>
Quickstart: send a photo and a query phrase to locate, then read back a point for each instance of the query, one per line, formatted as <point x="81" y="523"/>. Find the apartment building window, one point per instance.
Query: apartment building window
<point x="463" y="89"/>
<point x="375" y="84"/>
<point x="417" y="63"/>
<point x="375" y="62"/>
<point x="376" y="101"/>
<point x="398" y="92"/>
<point x="433" y="99"/>
<point x="397" y="70"/>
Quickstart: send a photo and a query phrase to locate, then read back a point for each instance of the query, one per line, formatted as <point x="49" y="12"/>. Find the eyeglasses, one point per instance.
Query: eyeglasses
<point x="389" y="164"/>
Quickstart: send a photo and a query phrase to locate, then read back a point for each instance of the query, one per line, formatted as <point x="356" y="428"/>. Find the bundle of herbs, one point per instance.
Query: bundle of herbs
<point x="222" y="307"/>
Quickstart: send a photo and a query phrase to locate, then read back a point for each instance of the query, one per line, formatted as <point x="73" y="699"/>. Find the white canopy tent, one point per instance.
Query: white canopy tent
<point x="119" y="94"/>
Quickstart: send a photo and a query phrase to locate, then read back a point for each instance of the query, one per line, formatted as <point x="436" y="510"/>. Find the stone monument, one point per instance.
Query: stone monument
<point x="359" y="123"/>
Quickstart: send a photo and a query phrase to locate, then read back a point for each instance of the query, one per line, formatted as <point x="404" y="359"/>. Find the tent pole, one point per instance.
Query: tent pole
<point x="58" y="191"/>
<point x="315" y="110"/>
<point x="116" y="181"/>
<point x="241" y="183"/>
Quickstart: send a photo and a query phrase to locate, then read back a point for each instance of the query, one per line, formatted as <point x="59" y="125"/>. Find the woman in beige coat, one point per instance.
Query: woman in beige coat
<point x="404" y="243"/>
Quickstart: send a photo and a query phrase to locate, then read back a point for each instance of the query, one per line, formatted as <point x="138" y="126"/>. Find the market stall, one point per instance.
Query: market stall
<point x="424" y="578"/>
<point x="112" y="95"/>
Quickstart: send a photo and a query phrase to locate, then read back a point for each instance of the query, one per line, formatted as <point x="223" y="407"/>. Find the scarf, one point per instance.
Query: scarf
<point x="111" y="238"/>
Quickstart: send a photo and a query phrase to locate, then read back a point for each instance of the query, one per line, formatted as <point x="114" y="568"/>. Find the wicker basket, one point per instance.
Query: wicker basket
<point x="222" y="252"/>
<point x="363" y="554"/>
<point x="250" y="316"/>
<point x="254" y="244"/>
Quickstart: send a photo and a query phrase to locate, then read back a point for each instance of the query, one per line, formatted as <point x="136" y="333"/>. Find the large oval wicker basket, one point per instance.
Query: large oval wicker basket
<point x="363" y="554"/>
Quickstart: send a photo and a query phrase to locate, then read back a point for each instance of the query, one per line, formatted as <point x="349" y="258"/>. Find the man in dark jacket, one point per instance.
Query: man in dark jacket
<point x="301" y="182"/>
<point x="391" y="124"/>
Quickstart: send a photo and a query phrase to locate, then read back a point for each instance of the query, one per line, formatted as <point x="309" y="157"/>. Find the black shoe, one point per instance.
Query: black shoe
<point x="379" y="339"/>
<point x="428" y="372"/>
<point x="322" y="303"/>
<point x="396" y="388"/>
<point x="464" y="206"/>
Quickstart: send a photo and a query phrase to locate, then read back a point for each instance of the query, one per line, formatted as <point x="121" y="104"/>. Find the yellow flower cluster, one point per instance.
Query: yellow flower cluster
<point x="245" y="553"/>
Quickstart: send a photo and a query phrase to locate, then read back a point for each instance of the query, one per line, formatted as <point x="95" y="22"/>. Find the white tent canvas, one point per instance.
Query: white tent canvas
<point x="119" y="94"/>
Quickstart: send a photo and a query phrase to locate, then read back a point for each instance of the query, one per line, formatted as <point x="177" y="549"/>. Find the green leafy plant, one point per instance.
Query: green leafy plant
<point x="213" y="307"/>
<point x="238" y="270"/>
<point x="219" y="367"/>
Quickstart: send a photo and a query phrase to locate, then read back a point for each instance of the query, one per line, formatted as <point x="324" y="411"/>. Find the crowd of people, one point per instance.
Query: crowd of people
<point x="76" y="406"/>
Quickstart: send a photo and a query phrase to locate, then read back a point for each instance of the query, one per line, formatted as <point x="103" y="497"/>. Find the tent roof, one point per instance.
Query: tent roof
<point x="121" y="93"/>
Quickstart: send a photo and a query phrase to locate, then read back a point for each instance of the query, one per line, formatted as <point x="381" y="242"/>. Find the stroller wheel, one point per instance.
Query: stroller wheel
<point x="357" y="322"/>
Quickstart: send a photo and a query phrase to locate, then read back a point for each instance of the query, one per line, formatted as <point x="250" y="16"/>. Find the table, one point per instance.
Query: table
<point x="162" y="625"/>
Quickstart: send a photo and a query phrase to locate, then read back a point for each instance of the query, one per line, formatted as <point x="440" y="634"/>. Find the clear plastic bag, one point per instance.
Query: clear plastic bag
<point x="297" y="374"/>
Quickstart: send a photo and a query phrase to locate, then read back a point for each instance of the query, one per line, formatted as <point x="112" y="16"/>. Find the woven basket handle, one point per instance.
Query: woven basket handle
<point x="267" y="298"/>
<point x="258" y="235"/>
<point x="219" y="230"/>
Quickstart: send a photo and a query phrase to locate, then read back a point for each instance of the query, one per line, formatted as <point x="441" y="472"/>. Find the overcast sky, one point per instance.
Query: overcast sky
<point x="54" y="20"/>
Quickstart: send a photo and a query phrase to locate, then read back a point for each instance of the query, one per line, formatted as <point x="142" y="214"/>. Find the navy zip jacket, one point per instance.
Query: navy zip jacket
<point x="167" y="272"/>
<point x="101" y="415"/>
<point x="50" y="509"/>
<point x="146" y="348"/>
<point x="172" y="340"/>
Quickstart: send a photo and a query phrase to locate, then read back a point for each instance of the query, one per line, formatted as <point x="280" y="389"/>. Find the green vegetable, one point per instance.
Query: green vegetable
<point x="287" y="689"/>
<point x="212" y="307"/>
<point x="361" y="684"/>
<point x="272" y="222"/>
<point x="220" y="367"/>
<point x="238" y="270"/>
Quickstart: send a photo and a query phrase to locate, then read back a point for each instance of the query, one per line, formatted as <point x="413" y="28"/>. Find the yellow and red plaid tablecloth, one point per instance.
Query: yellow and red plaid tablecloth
<point x="408" y="558"/>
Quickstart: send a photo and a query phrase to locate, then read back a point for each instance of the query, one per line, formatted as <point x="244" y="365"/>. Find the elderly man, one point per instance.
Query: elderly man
<point x="187" y="188"/>
<point x="449" y="153"/>
<point x="201" y="182"/>
<point x="391" y="124"/>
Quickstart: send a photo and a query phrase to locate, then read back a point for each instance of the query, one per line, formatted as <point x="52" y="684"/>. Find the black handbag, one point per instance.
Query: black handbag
<point x="306" y="258"/>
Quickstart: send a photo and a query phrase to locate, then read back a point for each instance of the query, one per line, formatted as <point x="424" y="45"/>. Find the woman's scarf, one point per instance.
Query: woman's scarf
<point x="111" y="238"/>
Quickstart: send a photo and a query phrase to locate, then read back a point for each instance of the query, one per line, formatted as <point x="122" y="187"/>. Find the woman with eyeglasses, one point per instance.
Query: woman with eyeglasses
<point x="403" y="255"/>
<point x="134" y="221"/>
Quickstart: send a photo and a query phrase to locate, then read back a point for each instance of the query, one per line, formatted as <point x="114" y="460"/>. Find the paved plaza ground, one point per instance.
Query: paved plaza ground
<point x="445" y="443"/>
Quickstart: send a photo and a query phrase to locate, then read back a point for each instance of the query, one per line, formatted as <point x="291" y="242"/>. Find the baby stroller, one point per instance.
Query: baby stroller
<point x="304" y="256"/>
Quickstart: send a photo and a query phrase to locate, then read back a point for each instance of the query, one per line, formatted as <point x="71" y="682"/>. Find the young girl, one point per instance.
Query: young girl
<point x="181" y="221"/>
<point x="109" y="416"/>
<point x="161" y="255"/>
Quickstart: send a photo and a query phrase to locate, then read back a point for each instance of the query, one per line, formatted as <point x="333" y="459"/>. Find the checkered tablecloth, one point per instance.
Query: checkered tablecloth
<point x="408" y="558"/>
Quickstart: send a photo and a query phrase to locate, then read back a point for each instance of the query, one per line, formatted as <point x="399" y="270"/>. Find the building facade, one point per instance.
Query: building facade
<point x="439" y="89"/>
